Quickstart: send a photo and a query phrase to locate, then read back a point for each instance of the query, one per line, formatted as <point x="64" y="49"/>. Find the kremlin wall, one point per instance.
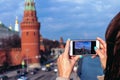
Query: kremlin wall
<point x="32" y="42"/>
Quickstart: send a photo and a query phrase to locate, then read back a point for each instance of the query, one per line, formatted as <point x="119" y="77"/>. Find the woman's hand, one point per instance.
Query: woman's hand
<point x="101" y="52"/>
<point x="65" y="62"/>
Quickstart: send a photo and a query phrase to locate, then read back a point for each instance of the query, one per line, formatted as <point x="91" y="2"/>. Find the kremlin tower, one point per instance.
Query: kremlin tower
<point x="30" y="35"/>
<point x="61" y="43"/>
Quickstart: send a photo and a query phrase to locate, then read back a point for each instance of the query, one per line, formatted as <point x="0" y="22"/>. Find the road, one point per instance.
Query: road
<point x="41" y="75"/>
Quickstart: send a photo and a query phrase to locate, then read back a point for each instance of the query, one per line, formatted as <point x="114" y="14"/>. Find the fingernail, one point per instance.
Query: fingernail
<point x="95" y="48"/>
<point x="81" y="56"/>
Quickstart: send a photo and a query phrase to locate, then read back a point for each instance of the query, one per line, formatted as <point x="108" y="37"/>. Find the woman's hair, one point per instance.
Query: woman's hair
<point x="112" y="71"/>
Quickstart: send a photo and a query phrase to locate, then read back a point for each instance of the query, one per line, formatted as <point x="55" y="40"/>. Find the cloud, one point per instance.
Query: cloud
<point x="101" y="6"/>
<point x="20" y="9"/>
<point x="9" y="10"/>
<point x="48" y="19"/>
<point x="71" y="1"/>
<point x="67" y="18"/>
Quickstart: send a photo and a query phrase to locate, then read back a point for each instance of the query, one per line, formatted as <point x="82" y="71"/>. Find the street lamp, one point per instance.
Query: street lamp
<point x="27" y="59"/>
<point x="23" y="64"/>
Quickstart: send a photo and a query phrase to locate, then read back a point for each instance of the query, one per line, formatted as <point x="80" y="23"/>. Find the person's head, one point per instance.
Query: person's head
<point x="112" y="71"/>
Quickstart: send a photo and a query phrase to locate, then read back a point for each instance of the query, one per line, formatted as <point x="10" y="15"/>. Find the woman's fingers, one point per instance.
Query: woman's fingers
<point x="102" y="42"/>
<point x="102" y="46"/>
<point x="99" y="53"/>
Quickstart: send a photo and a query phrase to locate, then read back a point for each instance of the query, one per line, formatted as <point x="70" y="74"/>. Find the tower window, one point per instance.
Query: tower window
<point x="31" y="14"/>
<point x="33" y="20"/>
<point x="27" y="33"/>
<point x="28" y="4"/>
<point x="34" y="33"/>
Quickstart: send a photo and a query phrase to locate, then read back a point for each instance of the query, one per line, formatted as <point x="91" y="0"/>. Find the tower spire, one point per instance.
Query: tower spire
<point x="30" y="12"/>
<point x="29" y="5"/>
<point x="16" y="24"/>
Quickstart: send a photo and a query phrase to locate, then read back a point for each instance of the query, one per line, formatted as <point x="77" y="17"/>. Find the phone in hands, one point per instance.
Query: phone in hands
<point x="83" y="47"/>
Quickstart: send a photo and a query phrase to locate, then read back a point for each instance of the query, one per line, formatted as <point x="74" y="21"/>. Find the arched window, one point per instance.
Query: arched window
<point x="27" y="33"/>
<point x="34" y="33"/>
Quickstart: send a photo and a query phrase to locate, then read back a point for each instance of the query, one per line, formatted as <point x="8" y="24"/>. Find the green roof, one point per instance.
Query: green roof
<point x="6" y="32"/>
<point x="5" y="28"/>
<point x="30" y="6"/>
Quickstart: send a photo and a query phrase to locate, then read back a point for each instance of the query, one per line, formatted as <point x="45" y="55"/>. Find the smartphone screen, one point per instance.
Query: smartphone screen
<point x="83" y="47"/>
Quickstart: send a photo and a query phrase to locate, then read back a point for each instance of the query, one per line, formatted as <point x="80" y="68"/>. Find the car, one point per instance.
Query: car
<point x="3" y="77"/>
<point x="32" y="72"/>
<point x="55" y="70"/>
<point x="36" y="69"/>
<point x="48" y="66"/>
<point x="22" y="78"/>
<point x="22" y="72"/>
<point x="43" y="68"/>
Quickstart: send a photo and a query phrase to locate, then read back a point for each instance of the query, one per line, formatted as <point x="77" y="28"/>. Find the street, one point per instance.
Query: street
<point x="40" y="75"/>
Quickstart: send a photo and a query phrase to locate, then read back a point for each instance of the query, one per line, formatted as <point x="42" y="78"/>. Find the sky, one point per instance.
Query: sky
<point x="74" y="19"/>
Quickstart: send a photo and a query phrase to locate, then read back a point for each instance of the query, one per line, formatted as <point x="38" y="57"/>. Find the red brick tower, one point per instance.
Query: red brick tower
<point x="61" y="43"/>
<point x="30" y="35"/>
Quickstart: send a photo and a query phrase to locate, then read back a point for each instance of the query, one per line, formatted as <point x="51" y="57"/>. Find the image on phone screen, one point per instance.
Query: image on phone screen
<point x="83" y="47"/>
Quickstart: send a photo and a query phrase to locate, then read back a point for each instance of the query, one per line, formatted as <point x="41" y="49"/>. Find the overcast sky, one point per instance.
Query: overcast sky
<point x="74" y="19"/>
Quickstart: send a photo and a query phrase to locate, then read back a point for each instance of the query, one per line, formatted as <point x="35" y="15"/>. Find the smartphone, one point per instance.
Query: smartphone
<point x="83" y="47"/>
